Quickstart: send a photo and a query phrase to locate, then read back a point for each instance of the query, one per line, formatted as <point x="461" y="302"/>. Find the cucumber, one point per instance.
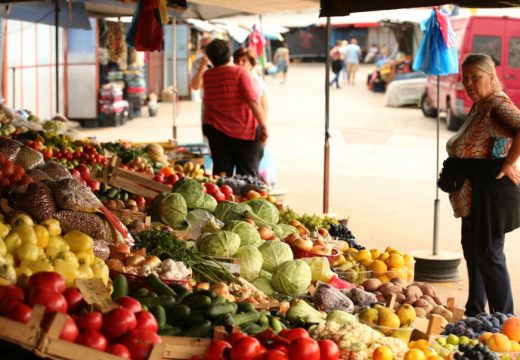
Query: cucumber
<point x="218" y="300"/>
<point x="275" y="324"/>
<point x="209" y="293"/>
<point x="160" y="315"/>
<point x="124" y="196"/>
<point x="243" y="318"/>
<point x="169" y="331"/>
<point x="263" y="320"/>
<point x="253" y="329"/>
<point x="179" y="289"/>
<point x="214" y="311"/>
<point x="246" y="307"/>
<point x="112" y="193"/>
<point x="178" y="314"/>
<point x="200" y="330"/>
<point x="159" y="287"/>
<point x="193" y="320"/>
<point x="167" y="302"/>
<point x="120" y="285"/>
<point x="196" y="301"/>
<point x="225" y="320"/>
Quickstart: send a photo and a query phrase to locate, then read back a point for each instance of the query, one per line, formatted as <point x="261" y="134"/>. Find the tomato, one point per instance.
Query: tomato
<point x="211" y="188"/>
<point x="118" y="350"/>
<point x="140" y="343"/>
<point x="159" y="178"/>
<point x="279" y="347"/>
<point x="219" y="196"/>
<point x="292" y="334"/>
<point x="246" y="349"/>
<point x="118" y="322"/>
<point x="274" y="355"/>
<point x="231" y="197"/>
<point x="84" y="171"/>
<point x="130" y="303"/>
<point x="52" y="300"/>
<point x="146" y="321"/>
<point x="304" y="348"/>
<point x="18" y="311"/>
<point x="235" y="337"/>
<point x="6" y="305"/>
<point x="70" y="330"/>
<point x="226" y="190"/>
<point x="75" y="174"/>
<point x="47" y="279"/>
<point x="329" y="350"/>
<point x="11" y="291"/>
<point x="217" y="350"/>
<point x="91" y="321"/>
<point x="74" y="299"/>
<point x="92" y="339"/>
<point x="171" y="179"/>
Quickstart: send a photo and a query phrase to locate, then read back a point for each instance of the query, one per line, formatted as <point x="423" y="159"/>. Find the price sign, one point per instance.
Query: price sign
<point x="96" y="294"/>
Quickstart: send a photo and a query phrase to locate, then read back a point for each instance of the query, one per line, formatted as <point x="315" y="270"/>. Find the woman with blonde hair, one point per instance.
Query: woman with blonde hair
<point x="482" y="179"/>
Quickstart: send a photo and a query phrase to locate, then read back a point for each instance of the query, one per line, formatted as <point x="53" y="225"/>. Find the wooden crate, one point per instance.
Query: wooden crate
<point x="23" y="335"/>
<point x="136" y="183"/>
<point x="176" y="347"/>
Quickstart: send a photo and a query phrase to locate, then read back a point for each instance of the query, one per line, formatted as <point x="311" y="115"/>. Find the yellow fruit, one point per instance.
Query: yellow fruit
<point x="388" y="249"/>
<point x="388" y="318"/>
<point x="383" y="278"/>
<point x="375" y="253"/>
<point x="434" y="357"/>
<point x="414" y="354"/>
<point x="42" y="236"/>
<point x="378" y="266"/>
<point x="53" y="227"/>
<point x="383" y="353"/>
<point x="362" y="255"/>
<point x="406" y="315"/>
<point x="21" y="219"/>
<point x="408" y="259"/>
<point x="366" y="262"/>
<point x="395" y="252"/>
<point x="428" y="351"/>
<point x="384" y="256"/>
<point x="395" y="261"/>
<point x="396" y="273"/>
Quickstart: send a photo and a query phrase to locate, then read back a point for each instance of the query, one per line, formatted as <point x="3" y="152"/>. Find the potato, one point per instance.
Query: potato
<point x="442" y="311"/>
<point x="393" y="289"/>
<point x="371" y="285"/>
<point x="420" y="312"/>
<point x="381" y="298"/>
<point x="427" y="289"/>
<point x="384" y="286"/>
<point x="400" y="298"/>
<point x="437" y="300"/>
<point x="413" y="290"/>
<point x="429" y="299"/>
<point x="397" y="281"/>
<point x="421" y="303"/>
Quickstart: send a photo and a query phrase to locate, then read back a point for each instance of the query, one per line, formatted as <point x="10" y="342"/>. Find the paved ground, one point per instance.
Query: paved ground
<point x="382" y="162"/>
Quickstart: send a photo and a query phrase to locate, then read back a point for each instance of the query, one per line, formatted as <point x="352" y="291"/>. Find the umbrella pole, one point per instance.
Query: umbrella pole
<point x="436" y="201"/>
<point x="327" y="136"/>
<point x="57" y="53"/>
<point x="174" y="80"/>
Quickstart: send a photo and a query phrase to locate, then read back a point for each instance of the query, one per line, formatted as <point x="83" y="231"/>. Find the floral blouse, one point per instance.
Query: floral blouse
<point x="487" y="133"/>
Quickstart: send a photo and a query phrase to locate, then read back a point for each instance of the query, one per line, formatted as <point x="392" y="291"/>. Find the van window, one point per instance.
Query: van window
<point x="490" y="45"/>
<point x="514" y="52"/>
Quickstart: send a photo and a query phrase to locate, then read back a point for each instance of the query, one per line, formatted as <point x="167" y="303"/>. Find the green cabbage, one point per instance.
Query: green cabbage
<point x="227" y="211"/>
<point x="191" y="190"/>
<point x="250" y="261"/>
<point x="221" y="243"/>
<point x="172" y="210"/>
<point x="292" y="278"/>
<point x="264" y="285"/>
<point x="264" y="209"/>
<point x="247" y="232"/>
<point x="209" y="203"/>
<point x="275" y="253"/>
<point x="266" y="274"/>
<point x="287" y="230"/>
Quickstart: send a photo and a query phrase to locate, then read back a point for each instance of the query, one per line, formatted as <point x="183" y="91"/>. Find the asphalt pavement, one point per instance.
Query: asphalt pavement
<point x="382" y="162"/>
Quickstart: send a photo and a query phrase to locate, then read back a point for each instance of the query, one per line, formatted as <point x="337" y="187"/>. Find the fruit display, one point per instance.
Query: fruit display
<point x="391" y="323"/>
<point x="312" y="222"/>
<point x="241" y="184"/>
<point x="473" y="327"/>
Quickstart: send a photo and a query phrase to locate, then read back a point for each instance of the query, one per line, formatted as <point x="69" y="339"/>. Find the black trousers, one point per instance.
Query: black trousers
<point x="229" y="154"/>
<point x="487" y="272"/>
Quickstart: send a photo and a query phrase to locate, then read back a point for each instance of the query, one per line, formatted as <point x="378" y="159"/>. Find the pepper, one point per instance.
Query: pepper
<point x="7" y="273"/>
<point x="69" y="257"/>
<point x="3" y="249"/>
<point x="100" y="270"/>
<point x="26" y="233"/>
<point x="4" y="230"/>
<point x="12" y="242"/>
<point x="78" y="241"/>
<point x="9" y="258"/>
<point x="85" y="272"/>
<point x="53" y="227"/>
<point x="21" y="219"/>
<point x="85" y="258"/>
<point x="67" y="270"/>
<point x="56" y="245"/>
<point x="42" y="236"/>
<point x="29" y="267"/>
<point x="28" y="251"/>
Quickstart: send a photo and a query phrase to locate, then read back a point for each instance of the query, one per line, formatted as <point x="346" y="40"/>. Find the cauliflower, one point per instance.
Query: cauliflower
<point x="173" y="270"/>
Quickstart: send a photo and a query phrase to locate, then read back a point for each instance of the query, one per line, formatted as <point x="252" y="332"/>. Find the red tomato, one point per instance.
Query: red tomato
<point x="140" y="343"/>
<point x="292" y="334"/>
<point x="74" y="299"/>
<point x="84" y="171"/>
<point x="19" y="312"/>
<point x="274" y="355"/>
<point x="52" y="300"/>
<point x="70" y="330"/>
<point x="304" y="348"/>
<point x="235" y="337"/>
<point x="329" y="350"/>
<point x="226" y="190"/>
<point x="246" y="349"/>
<point x="219" y="196"/>
<point x="217" y="350"/>
<point x="279" y="347"/>
<point x="211" y="188"/>
<point x="146" y="321"/>
<point x="118" y="350"/>
<point x="75" y="174"/>
<point x="141" y="202"/>
<point x="47" y="279"/>
<point x="91" y="321"/>
<point x="130" y="303"/>
<point x="231" y="197"/>
<point x="171" y="179"/>
<point x="159" y="178"/>
<point x="92" y="339"/>
<point x="11" y="291"/>
<point x="6" y="305"/>
<point x="118" y="322"/>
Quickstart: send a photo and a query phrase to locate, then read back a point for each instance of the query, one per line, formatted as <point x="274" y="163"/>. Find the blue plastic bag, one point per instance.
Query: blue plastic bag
<point x="267" y="168"/>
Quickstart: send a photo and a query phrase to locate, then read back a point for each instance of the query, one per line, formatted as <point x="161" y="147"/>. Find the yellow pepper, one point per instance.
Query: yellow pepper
<point x="100" y="270"/>
<point x="67" y="270"/>
<point x="21" y="219"/>
<point x="69" y="257"/>
<point x="78" y="241"/>
<point x="4" y="230"/>
<point x="42" y="236"/>
<point x="12" y="242"/>
<point x="85" y="258"/>
<point x="85" y="272"/>
<point x="3" y="249"/>
<point x="7" y="273"/>
<point x="9" y="258"/>
<point x="26" y="233"/>
<point x="56" y="245"/>
<point x="29" y="267"/>
<point x="53" y="227"/>
<point x="28" y="251"/>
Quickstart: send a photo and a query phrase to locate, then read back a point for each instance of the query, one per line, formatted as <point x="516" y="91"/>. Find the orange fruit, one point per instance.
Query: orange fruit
<point x="375" y="253"/>
<point x="498" y="343"/>
<point x="414" y="354"/>
<point x="378" y="266"/>
<point x="395" y="261"/>
<point x="418" y="344"/>
<point x="434" y="357"/>
<point x="511" y="328"/>
<point x="383" y="353"/>
<point x="363" y="255"/>
<point x="384" y="256"/>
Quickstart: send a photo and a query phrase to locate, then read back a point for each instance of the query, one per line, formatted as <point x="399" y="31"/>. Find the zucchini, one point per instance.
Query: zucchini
<point x="275" y="324"/>
<point x="225" y="320"/>
<point x="112" y="193"/>
<point x="214" y="311"/>
<point x="167" y="302"/>
<point x="193" y="320"/>
<point x="243" y="318"/>
<point x="209" y="293"/>
<point x="200" y="330"/>
<point x="178" y="314"/>
<point x="120" y="285"/>
<point x="245" y="306"/>
<point x="160" y="315"/>
<point x="253" y="329"/>
<point x="178" y="288"/>
<point x="169" y="331"/>
<point x="263" y="320"/>
<point x="159" y="287"/>
<point x="218" y="300"/>
<point x="196" y="301"/>
<point x="142" y="293"/>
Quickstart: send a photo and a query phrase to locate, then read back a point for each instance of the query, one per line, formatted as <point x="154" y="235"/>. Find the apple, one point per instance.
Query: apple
<point x="75" y="174"/>
<point x="304" y="243"/>
<point x="141" y="202"/>
<point x="230" y="197"/>
<point x="83" y="170"/>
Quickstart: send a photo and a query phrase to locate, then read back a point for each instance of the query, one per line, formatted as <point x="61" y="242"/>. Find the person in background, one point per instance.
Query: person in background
<point x="281" y="59"/>
<point x="372" y="53"/>
<point x="353" y="56"/>
<point x="247" y="59"/>
<point x="233" y="119"/>
<point x="336" y="63"/>
<point x="343" y="52"/>
<point x="482" y="178"/>
<point x="200" y="65"/>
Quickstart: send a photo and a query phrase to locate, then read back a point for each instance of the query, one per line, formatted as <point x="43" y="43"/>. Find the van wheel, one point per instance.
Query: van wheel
<point x="426" y="108"/>
<point x="452" y="122"/>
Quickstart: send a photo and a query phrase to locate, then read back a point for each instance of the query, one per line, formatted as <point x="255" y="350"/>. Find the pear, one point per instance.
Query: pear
<point x="388" y="319"/>
<point x="406" y="315"/>
<point x="369" y="316"/>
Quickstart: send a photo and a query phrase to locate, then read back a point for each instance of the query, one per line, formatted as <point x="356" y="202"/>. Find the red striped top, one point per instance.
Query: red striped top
<point x="227" y="91"/>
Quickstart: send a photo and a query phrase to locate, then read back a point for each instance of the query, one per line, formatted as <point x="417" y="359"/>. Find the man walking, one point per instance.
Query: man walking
<point x="353" y="56"/>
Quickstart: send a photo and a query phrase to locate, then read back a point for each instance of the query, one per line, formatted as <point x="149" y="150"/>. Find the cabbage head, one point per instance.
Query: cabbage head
<point x="191" y="190"/>
<point x="209" y="203"/>
<point x="250" y="261"/>
<point x="275" y="253"/>
<point x="264" y="285"/>
<point x="172" y="210"/>
<point x="266" y="210"/>
<point x="265" y="274"/>
<point x="227" y="211"/>
<point x="287" y="230"/>
<point x="292" y="278"/>
<point x="221" y="244"/>
<point x="247" y="232"/>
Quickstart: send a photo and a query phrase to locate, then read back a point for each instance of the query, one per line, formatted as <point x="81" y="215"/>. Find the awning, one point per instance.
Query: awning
<point x="42" y="12"/>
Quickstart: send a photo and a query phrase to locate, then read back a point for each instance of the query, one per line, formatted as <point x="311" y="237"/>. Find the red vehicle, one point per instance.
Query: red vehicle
<point x="493" y="35"/>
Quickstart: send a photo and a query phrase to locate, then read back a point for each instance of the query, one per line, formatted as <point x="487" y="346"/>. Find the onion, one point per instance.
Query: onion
<point x="135" y="260"/>
<point x="153" y="261"/>
<point x="115" y="265"/>
<point x="303" y="243"/>
<point x="265" y="232"/>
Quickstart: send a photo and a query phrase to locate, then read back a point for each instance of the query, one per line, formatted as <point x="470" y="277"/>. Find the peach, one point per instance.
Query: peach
<point x="499" y="343"/>
<point x="511" y="328"/>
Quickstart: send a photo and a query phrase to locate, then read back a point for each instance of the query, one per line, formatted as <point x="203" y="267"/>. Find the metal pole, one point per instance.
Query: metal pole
<point x="14" y="88"/>
<point x="174" y="79"/>
<point x="436" y="202"/>
<point x="57" y="34"/>
<point x="326" y="167"/>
